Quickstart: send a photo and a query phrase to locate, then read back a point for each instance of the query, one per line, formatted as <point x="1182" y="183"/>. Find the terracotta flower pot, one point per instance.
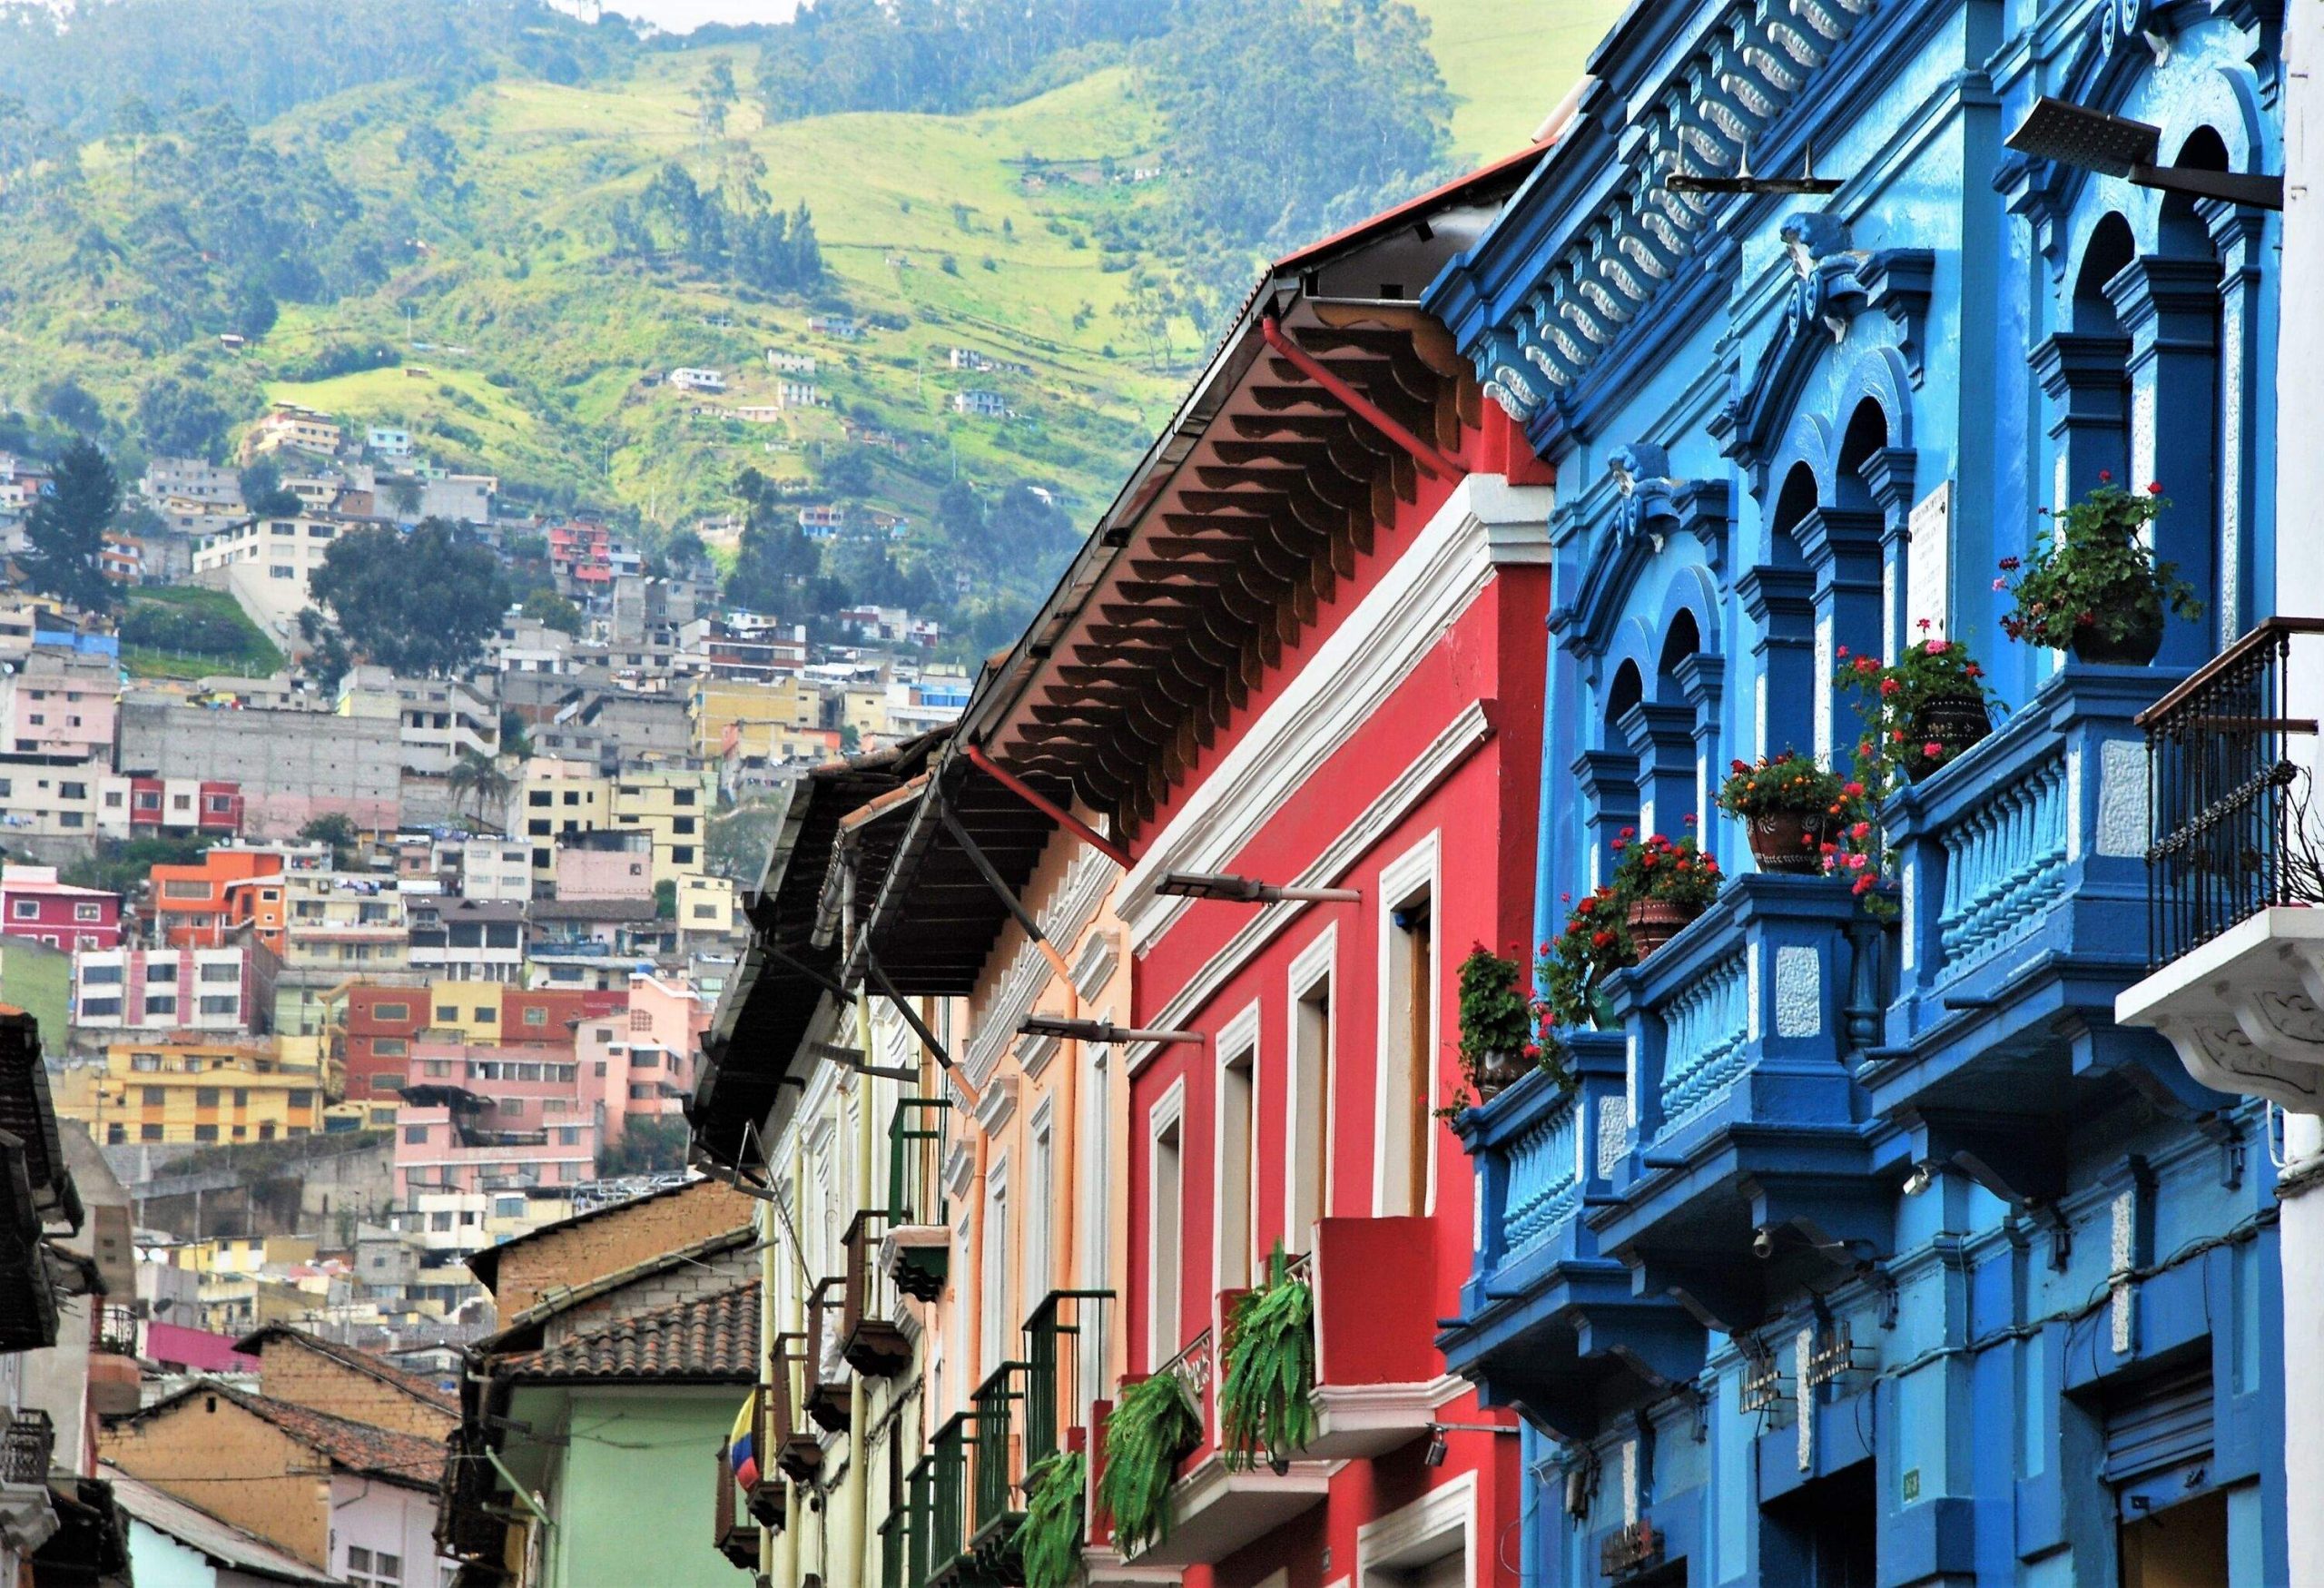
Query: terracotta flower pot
<point x="1498" y="1072"/>
<point x="1655" y="922"/>
<point x="1954" y="723"/>
<point x="1788" y="841"/>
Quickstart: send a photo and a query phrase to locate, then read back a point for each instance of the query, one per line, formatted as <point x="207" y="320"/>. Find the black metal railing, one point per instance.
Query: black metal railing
<point x="2226" y="837"/>
<point x="827" y="1386"/>
<point x="894" y="1546"/>
<point x="916" y="1136"/>
<point x="1065" y="1362"/>
<point x="947" y="1503"/>
<point x="731" y="1534"/>
<point x="26" y="1449"/>
<point x="993" y="1415"/>
<point x="117" y="1331"/>
<point x="920" y="1490"/>
<point x="797" y="1454"/>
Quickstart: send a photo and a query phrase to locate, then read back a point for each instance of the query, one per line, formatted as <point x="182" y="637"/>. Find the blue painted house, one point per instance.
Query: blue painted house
<point x="1873" y="1251"/>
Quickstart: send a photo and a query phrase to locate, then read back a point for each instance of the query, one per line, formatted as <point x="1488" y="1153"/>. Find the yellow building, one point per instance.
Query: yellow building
<point x="555" y="796"/>
<point x="182" y="1089"/>
<point x="705" y="907"/>
<point x="768" y="719"/>
<point x="675" y="806"/>
<point x="243" y="1254"/>
<point x="464" y="1011"/>
<point x="864" y="708"/>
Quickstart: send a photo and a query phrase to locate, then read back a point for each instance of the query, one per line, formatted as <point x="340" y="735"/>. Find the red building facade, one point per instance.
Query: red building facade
<point x="34" y="905"/>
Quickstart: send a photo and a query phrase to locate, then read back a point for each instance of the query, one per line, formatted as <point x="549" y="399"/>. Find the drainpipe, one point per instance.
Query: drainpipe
<point x="854" y="1494"/>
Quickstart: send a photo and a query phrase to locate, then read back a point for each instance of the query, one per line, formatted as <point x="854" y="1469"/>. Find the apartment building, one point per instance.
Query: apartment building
<point x="194" y="1089"/>
<point x="673" y="807"/>
<point x="219" y="992"/>
<point x="498" y="870"/>
<point x="167" y="807"/>
<point x="477" y="939"/>
<point x="34" y="904"/>
<point x="438" y="720"/>
<point x="477" y="1117"/>
<point x="58" y="702"/>
<point x="753" y="719"/>
<point x="52" y="796"/>
<point x="552" y="797"/>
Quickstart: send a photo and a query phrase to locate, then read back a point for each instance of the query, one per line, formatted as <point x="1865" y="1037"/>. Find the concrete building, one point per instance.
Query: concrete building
<point x="484" y="1117"/>
<point x="552" y="797"/>
<point x="34" y="904"/>
<point x="287" y="427"/>
<point x="60" y="703"/>
<point x="439" y="720"/>
<point x="496" y="869"/>
<point x="473" y="939"/>
<point x="167" y="807"/>
<point x="706" y="908"/>
<point x="732" y="716"/>
<point x="265" y="564"/>
<point x="219" y="992"/>
<point x="292" y="766"/>
<point x="181" y="1088"/>
<point x="53" y="798"/>
<point x="674" y="807"/>
<point x="604" y="864"/>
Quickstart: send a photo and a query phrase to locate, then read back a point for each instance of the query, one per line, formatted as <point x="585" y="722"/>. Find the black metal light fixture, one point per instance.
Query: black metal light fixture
<point x="1437" y="1449"/>
<point x="1249" y="890"/>
<point x="854" y="1059"/>
<point x="1806" y="183"/>
<point x="1098" y="1031"/>
<point x="2112" y="145"/>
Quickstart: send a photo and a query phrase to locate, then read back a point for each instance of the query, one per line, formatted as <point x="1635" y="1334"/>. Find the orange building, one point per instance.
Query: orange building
<point x="200" y="904"/>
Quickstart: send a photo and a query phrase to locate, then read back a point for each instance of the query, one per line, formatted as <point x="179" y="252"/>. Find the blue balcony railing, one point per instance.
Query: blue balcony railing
<point x="2023" y="878"/>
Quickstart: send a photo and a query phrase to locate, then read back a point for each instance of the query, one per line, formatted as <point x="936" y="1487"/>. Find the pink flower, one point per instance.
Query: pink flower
<point x="1861" y="831"/>
<point x="1932" y="749"/>
<point x="1842" y="652"/>
<point x="2105" y="477"/>
<point x="1852" y="788"/>
<point x="1690" y="818"/>
<point x="1565" y="898"/>
<point x="1938" y="647"/>
<point x="1923" y="625"/>
<point x="1862" y="885"/>
<point x="2001" y="584"/>
<point x="1856" y="863"/>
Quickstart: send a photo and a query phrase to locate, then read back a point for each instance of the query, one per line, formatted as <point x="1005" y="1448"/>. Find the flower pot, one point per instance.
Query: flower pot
<point x="1498" y="1072"/>
<point x="1655" y="922"/>
<point x="1956" y="722"/>
<point x="1788" y="841"/>
<point x="2135" y="650"/>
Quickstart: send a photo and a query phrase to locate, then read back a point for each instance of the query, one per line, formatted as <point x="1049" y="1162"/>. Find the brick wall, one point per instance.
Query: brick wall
<point x="678" y="1282"/>
<point x="209" y="1451"/>
<point x="297" y="1373"/>
<point x="617" y="1239"/>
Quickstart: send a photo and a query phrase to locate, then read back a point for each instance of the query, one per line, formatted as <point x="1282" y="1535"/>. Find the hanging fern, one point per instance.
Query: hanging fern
<point x="1153" y="1426"/>
<point x="1050" y="1538"/>
<point x="1266" y="1408"/>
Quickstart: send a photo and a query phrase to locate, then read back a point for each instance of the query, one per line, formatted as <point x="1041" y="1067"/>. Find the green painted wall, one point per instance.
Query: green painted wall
<point x="633" y="1498"/>
<point x="39" y="979"/>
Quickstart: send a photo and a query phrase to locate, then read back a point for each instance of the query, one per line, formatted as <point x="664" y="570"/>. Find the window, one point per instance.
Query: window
<point x="1238" y="1096"/>
<point x="535" y="1015"/>
<point x="683" y="855"/>
<point x="682" y="798"/>
<point x="154" y="1096"/>
<point x="220" y="1003"/>
<point x="1308" y="1151"/>
<point x="205" y="1097"/>
<point x="149" y="1132"/>
<point x="242" y="1097"/>
<point x="389" y="1047"/>
<point x="571" y="797"/>
<point x="161" y="1004"/>
<point x="391" y="1011"/>
<point x="993" y="1262"/>
<point x="640" y="1020"/>
<point x="447" y="1014"/>
<point x="185" y="890"/>
<point x="97" y="912"/>
<point x="485" y="1015"/>
<point x="218" y="973"/>
<point x="415" y="1135"/>
<point x="205" y="1132"/>
<point x="440" y="1221"/>
<point x="1407" y="1034"/>
<point x="302" y="1099"/>
<point x="705" y="912"/>
<point x="72" y="791"/>
<point x="26" y="909"/>
<point x="1164" y="1217"/>
<point x="100" y="1008"/>
<point x="160" y="971"/>
<point x="681" y="824"/>
<point x="1039" y="1190"/>
<point x="106" y="976"/>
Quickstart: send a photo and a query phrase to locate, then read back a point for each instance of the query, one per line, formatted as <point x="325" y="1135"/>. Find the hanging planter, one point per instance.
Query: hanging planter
<point x="1942" y="726"/>
<point x="1496" y="1045"/>
<point x="1666" y="885"/>
<point x="1267" y="1406"/>
<point x="1049" y="1541"/>
<point x="1921" y="711"/>
<point x="1155" y="1425"/>
<point x="2095" y="587"/>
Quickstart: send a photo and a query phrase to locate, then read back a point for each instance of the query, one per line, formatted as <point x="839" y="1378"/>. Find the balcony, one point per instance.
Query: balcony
<point x="870" y="1339"/>
<point x="2025" y="904"/>
<point x="734" y="1536"/>
<point x="796" y="1453"/>
<point x="1378" y="1376"/>
<point x="1216" y="1510"/>
<point x="1547" y="1319"/>
<point x="826" y="1381"/>
<point x="916" y="1252"/>
<point x="2235" y="941"/>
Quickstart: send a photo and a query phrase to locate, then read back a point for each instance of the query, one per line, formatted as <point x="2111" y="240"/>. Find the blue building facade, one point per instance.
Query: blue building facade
<point x="1870" y="1251"/>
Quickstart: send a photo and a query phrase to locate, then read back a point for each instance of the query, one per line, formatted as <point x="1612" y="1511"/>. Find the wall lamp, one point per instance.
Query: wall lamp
<point x="2112" y="145"/>
<point x="1098" y="1031"/>
<point x="1434" y="1455"/>
<point x="1247" y="890"/>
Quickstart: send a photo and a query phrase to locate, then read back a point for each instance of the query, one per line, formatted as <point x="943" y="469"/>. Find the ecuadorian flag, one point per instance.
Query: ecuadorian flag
<point x="741" y="1445"/>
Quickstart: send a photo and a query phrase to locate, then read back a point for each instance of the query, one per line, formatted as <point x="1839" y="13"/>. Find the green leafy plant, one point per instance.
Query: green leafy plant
<point x="1788" y="782"/>
<point x="1154" y="1424"/>
<point x="2098" y="577"/>
<point x="1049" y="1539"/>
<point x="1266" y="1408"/>
<point x="1594" y="944"/>
<point x="1933" y="671"/>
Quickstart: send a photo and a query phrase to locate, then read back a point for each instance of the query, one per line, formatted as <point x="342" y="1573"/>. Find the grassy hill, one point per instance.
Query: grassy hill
<point x="519" y="345"/>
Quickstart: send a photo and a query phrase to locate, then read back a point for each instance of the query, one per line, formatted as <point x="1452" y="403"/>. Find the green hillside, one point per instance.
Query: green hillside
<point x="511" y="338"/>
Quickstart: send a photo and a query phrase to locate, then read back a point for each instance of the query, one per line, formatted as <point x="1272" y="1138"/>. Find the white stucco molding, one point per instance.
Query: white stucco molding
<point x="2245" y="1010"/>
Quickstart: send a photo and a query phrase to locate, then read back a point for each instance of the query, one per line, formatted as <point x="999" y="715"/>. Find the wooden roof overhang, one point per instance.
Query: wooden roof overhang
<point x="754" y="1042"/>
<point x="1277" y="494"/>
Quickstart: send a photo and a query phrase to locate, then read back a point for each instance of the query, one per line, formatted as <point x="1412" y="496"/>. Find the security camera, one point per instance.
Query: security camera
<point x="1919" y="1180"/>
<point x="1763" y="1242"/>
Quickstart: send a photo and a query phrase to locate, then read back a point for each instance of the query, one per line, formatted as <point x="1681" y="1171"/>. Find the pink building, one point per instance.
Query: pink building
<point x="640" y="1061"/>
<point x="34" y="904"/>
<point x="60" y="702"/>
<point x="610" y="862"/>
<point x="479" y="1118"/>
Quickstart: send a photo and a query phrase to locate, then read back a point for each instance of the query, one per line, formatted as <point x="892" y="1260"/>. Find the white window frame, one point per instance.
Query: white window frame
<point x="992" y="1271"/>
<point x="1040" y="1198"/>
<point x="1236" y="1045"/>
<point x="1389" y="1547"/>
<point x="1417" y="869"/>
<point x="1162" y="1323"/>
<point x="1317" y="963"/>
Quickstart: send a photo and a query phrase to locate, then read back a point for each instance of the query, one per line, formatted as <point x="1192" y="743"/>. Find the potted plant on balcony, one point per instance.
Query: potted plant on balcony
<point x="1593" y="945"/>
<point x="1155" y="1425"/>
<point x="2095" y="587"/>
<point x="1920" y="712"/>
<point x="1267" y="1406"/>
<point x="1664" y="885"/>
<point x="1049" y="1541"/>
<point x="1496" y="1045"/>
<point x="1788" y="805"/>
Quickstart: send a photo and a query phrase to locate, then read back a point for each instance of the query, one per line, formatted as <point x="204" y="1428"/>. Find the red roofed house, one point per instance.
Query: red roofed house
<point x="34" y="904"/>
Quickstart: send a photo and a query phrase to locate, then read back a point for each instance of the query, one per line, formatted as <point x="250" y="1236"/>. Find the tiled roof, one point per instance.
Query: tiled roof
<point x="712" y="1340"/>
<point x="222" y="1543"/>
<point x="381" y="1453"/>
<point x="410" y="1384"/>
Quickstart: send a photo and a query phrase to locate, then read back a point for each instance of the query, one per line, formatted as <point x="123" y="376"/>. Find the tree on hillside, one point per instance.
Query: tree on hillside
<point x="178" y="419"/>
<point x="479" y="780"/>
<point x="339" y="831"/>
<point x="546" y="607"/>
<point x="686" y="553"/>
<point x="64" y="532"/>
<point x="714" y="96"/>
<point x="418" y="603"/>
<point x="263" y="494"/>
